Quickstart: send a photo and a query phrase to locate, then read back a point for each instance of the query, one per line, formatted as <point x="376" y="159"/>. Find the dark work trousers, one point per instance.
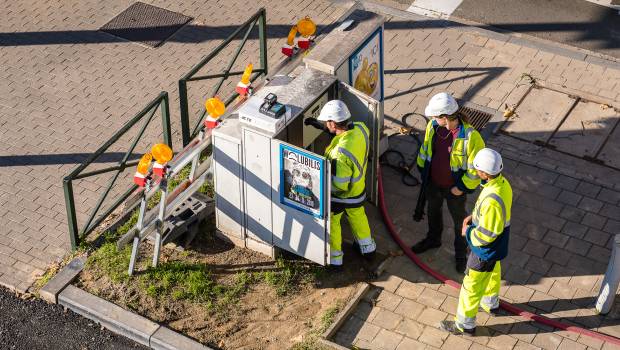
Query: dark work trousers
<point x="456" y="205"/>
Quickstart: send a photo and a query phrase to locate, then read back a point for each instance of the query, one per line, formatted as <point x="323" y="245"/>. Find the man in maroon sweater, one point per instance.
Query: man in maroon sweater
<point x="450" y="145"/>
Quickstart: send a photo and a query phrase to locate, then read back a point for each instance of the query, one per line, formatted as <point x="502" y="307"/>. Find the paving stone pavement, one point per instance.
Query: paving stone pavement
<point x="68" y="87"/>
<point x="565" y="209"/>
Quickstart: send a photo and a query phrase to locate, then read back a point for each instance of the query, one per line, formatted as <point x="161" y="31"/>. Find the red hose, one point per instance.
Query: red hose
<point x="504" y="305"/>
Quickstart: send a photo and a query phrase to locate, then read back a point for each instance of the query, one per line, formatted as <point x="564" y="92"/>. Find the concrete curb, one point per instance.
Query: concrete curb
<point x="50" y="291"/>
<point x="343" y="315"/>
<point x="502" y="35"/>
<point x="111" y="316"/>
<point x="123" y="322"/>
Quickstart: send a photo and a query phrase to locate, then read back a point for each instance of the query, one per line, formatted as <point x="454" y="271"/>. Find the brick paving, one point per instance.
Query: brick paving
<point x="564" y="214"/>
<point x="68" y="87"/>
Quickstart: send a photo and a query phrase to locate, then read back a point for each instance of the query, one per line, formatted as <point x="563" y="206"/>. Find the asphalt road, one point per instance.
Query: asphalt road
<point x="574" y="22"/>
<point x="34" y="325"/>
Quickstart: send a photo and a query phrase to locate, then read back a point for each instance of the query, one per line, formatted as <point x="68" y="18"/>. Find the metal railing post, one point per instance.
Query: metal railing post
<point x="71" y="217"/>
<point x="184" y="112"/>
<point x="165" y="120"/>
<point x="262" y="35"/>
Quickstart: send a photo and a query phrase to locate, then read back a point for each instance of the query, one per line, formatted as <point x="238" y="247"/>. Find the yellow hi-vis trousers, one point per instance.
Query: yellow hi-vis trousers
<point x="478" y="289"/>
<point x="360" y="228"/>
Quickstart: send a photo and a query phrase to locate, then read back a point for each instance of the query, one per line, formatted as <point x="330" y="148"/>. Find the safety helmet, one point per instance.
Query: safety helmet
<point x="440" y="104"/>
<point x="334" y="110"/>
<point x="489" y="161"/>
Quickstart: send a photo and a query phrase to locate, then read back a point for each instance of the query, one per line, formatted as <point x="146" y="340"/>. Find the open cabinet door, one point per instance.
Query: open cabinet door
<point x="366" y="109"/>
<point x="300" y="189"/>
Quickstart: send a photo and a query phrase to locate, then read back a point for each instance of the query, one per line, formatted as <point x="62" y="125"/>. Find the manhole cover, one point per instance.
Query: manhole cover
<point x="146" y="24"/>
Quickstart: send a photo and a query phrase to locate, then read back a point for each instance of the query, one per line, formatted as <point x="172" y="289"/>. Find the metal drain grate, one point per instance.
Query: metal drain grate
<point x="477" y="118"/>
<point x="146" y="24"/>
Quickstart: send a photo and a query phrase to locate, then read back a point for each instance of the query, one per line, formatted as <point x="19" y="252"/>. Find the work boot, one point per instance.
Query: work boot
<point x="461" y="264"/>
<point x="425" y="245"/>
<point x="369" y="256"/>
<point x="450" y="326"/>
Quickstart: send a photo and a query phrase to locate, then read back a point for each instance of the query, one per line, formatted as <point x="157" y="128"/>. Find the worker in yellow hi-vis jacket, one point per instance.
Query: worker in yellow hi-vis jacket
<point x="348" y="158"/>
<point x="445" y="157"/>
<point x="486" y="231"/>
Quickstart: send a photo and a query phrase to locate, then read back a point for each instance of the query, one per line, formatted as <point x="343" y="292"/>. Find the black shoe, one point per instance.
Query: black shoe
<point x="424" y="245"/>
<point x="493" y="312"/>
<point x="461" y="264"/>
<point x="369" y="256"/>
<point x="450" y="326"/>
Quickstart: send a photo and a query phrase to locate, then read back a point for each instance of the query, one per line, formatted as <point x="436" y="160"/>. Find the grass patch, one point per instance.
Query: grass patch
<point x="311" y="340"/>
<point x="179" y="280"/>
<point x="330" y="314"/>
<point x="290" y="275"/>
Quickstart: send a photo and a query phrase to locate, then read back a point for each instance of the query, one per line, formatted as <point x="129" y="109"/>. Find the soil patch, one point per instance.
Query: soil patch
<point x="225" y="296"/>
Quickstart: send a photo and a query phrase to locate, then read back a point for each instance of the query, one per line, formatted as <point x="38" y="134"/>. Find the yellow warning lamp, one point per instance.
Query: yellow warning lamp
<point x="215" y="107"/>
<point x="243" y="87"/>
<point x="306" y="27"/>
<point x="245" y="78"/>
<point x="140" y="178"/>
<point x="162" y="153"/>
<point x="290" y="40"/>
<point x="144" y="163"/>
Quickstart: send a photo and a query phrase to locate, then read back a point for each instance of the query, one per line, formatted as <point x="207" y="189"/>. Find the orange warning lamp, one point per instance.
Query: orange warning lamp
<point x="215" y="109"/>
<point x="306" y="28"/>
<point x="289" y="48"/>
<point x="162" y="154"/>
<point x="140" y="177"/>
<point x="243" y="87"/>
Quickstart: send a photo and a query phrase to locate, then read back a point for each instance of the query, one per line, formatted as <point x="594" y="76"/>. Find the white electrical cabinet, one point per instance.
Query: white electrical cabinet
<point x="272" y="183"/>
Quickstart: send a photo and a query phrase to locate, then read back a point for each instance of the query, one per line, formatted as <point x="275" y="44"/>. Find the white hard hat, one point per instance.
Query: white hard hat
<point x="440" y="104"/>
<point x="334" y="110"/>
<point x="489" y="161"/>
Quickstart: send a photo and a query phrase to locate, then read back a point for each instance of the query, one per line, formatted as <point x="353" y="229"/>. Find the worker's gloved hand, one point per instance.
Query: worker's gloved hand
<point x="314" y="123"/>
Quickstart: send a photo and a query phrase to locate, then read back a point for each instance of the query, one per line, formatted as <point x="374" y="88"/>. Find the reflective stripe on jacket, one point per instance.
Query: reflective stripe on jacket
<point x="489" y="231"/>
<point x="348" y="156"/>
<point x="464" y="148"/>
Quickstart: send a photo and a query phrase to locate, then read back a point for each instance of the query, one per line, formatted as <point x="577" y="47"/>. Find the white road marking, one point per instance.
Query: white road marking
<point x="607" y="3"/>
<point x="435" y="8"/>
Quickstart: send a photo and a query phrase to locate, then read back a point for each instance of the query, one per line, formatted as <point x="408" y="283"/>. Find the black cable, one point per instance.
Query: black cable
<point x="396" y="159"/>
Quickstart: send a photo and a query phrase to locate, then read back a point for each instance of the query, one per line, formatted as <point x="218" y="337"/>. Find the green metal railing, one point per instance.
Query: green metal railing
<point x="259" y="17"/>
<point x="93" y="220"/>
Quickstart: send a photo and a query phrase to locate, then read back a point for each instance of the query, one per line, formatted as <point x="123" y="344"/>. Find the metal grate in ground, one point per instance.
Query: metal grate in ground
<point x="477" y="118"/>
<point x="146" y="24"/>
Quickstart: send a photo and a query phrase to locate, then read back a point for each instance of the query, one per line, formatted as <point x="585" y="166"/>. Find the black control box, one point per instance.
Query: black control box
<point x="271" y="107"/>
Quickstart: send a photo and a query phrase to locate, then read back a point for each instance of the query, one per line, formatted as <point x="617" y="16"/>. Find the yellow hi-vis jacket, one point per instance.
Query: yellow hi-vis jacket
<point x="464" y="148"/>
<point x="488" y="234"/>
<point x="348" y="157"/>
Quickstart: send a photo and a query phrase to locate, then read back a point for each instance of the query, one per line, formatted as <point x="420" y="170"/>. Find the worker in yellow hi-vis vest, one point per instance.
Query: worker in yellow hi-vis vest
<point x="348" y="158"/>
<point x="486" y="231"/>
<point x="445" y="157"/>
